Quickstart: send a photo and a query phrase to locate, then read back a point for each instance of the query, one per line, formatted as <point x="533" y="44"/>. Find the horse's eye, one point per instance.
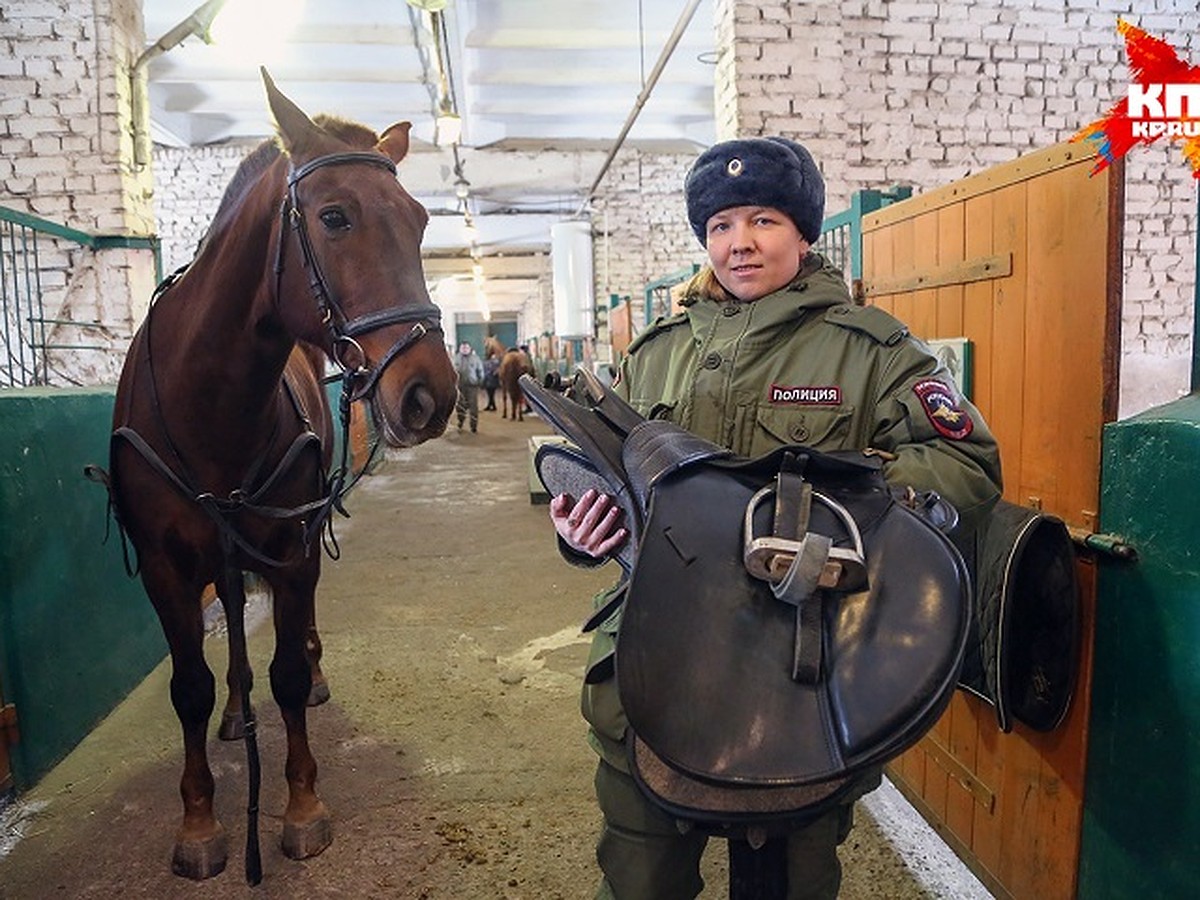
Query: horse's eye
<point x="334" y="219"/>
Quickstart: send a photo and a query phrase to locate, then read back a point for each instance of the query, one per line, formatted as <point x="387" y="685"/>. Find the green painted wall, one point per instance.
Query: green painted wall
<point x="76" y="634"/>
<point x="475" y="332"/>
<point x="1141" y="830"/>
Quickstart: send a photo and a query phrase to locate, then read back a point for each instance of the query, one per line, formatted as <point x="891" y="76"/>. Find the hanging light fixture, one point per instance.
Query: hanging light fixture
<point x="429" y="5"/>
<point x="256" y="31"/>
<point x="447" y="127"/>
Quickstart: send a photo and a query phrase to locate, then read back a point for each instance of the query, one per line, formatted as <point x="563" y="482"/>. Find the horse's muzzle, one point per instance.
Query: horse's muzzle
<point x="418" y="417"/>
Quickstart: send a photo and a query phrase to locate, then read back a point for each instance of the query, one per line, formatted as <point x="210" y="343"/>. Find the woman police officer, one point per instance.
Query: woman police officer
<point x="768" y="351"/>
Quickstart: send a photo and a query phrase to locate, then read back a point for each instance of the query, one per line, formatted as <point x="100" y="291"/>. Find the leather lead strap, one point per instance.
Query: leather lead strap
<point x="793" y="506"/>
<point x="800" y="584"/>
<point x="800" y="588"/>
<point x="606" y="611"/>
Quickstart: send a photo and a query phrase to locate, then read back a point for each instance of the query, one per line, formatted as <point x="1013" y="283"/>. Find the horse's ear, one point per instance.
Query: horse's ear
<point x="291" y="124"/>
<point x="394" y="143"/>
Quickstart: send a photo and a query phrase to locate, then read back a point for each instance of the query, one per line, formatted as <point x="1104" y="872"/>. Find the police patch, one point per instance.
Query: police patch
<point x="806" y="395"/>
<point x="941" y="405"/>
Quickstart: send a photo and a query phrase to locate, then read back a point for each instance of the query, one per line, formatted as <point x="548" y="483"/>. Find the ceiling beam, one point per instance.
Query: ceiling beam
<point x="524" y="266"/>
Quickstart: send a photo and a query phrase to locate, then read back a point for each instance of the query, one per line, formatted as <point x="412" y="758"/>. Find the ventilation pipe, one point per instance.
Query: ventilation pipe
<point x="574" y="280"/>
<point x="681" y="25"/>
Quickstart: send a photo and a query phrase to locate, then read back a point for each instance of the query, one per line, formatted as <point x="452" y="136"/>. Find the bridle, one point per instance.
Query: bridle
<point x="358" y="379"/>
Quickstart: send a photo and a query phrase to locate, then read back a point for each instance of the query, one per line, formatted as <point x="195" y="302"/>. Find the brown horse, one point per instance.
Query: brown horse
<point x="220" y="455"/>
<point x="516" y="362"/>
<point x="492" y="347"/>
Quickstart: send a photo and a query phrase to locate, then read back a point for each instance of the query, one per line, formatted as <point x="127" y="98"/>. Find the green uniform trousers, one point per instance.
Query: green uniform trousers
<point x="645" y="856"/>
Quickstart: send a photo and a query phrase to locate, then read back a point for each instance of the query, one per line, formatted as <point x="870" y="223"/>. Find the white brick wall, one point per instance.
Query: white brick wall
<point x="640" y="225"/>
<point x="66" y="155"/>
<point x="188" y="185"/>
<point x="923" y="93"/>
<point x="914" y="92"/>
<point x="65" y="134"/>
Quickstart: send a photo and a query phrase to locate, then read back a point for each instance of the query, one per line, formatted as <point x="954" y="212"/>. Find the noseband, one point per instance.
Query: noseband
<point x="359" y="380"/>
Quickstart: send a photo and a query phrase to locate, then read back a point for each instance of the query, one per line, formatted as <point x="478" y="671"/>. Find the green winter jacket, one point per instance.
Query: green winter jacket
<point x="803" y="366"/>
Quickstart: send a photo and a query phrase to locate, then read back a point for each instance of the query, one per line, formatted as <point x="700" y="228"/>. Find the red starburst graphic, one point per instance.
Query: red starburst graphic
<point x="1153" y="64"/>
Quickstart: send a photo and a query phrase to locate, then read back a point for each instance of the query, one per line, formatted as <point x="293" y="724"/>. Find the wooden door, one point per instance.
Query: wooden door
<point x="1024" y="261"/>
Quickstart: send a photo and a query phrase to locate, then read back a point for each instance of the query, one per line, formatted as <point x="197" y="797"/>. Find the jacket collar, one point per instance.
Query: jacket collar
<point x="818" y="286"/>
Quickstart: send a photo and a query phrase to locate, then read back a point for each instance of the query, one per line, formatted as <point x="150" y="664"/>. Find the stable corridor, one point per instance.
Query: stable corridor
<point x="452" y="754"/>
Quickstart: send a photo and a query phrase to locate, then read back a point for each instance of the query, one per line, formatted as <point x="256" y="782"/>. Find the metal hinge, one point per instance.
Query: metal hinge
<point x="9" y="733"/>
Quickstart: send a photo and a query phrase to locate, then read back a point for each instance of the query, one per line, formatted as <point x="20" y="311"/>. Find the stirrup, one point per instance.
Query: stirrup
<point x="770" y="557"/>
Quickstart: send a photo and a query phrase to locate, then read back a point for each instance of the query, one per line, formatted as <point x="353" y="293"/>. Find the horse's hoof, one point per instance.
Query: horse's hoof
<point x="233" y="727"/>
<point x="198" y="860"/>
<point x="319" y="693"/>
<point x="303" y="841"/>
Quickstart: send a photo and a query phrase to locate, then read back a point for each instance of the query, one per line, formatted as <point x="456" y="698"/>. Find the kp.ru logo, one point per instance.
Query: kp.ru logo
<point x="1163" y="100"/>
<point x="1156" y="110"/>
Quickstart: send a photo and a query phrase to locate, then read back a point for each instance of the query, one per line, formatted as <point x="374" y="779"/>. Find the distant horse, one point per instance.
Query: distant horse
<point x="492" y="347"/>
<point x="516" y="362"/>
<point x="220" y="455"/>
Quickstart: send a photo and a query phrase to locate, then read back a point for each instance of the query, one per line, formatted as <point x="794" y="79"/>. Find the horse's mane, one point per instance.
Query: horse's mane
<point x="247" y="172"/>
<point x="262" y="156"/>
<point x="354" y="134"/>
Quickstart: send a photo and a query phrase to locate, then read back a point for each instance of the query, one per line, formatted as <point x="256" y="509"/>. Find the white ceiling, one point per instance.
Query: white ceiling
<point x="544" y="89"/>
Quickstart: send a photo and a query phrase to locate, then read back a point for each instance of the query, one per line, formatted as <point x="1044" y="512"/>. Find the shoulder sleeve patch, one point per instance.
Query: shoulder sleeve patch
<point x="658" y="326"/>
<point x="940" y="403"/>
<point x="880" y="326"/>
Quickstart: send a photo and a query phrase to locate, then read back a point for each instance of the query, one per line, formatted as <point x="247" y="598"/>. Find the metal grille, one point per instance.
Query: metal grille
<point x="835" y="245"/>
<point x="37" y="258"/>
<point x="23" y="361"/>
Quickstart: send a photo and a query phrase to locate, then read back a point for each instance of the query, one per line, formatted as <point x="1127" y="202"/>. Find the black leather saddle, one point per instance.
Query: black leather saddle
<point x="786" y="624"/>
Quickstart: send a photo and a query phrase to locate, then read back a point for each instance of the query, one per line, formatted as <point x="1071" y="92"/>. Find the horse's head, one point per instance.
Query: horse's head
<point x="349" y="269"/>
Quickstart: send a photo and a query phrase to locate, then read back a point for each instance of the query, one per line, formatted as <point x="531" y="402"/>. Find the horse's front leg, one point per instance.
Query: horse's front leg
<point x="306" y="823"/>
<point x="233" y="720"/>
<point x="319" y="692"/>
<point x="200" y="845"/>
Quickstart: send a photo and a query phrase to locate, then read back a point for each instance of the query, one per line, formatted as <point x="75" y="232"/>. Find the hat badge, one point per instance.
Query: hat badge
<point x="734" y="168"/>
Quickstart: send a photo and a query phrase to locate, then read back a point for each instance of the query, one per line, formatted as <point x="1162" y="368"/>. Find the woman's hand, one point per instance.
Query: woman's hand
<point x="591" y="526"/>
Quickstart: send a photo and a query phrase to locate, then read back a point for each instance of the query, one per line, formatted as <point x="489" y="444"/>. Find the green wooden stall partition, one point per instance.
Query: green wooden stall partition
<point x="1141" y="828"/>
<point x="76" y="634"/>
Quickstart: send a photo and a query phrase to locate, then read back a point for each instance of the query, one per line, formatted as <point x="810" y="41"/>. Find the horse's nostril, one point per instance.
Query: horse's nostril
<point x="417" y="407"/>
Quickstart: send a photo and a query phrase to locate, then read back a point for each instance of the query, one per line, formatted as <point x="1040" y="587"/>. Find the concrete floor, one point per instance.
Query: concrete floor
<point x="452" y="753"/>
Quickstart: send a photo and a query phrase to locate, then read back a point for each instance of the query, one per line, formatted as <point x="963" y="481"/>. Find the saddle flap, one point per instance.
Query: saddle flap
<point x="1027" y="618"/>
<point x="731" y="808"/>
<point x="566" y="470"/>
<point x="717" y="699"/>
<point x="655" y="448"/>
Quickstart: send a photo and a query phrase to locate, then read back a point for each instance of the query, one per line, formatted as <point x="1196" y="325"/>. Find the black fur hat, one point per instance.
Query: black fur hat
<point x="769" y="171"/>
